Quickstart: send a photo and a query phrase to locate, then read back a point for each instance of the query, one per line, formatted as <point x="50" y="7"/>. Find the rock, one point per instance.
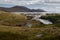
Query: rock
<point x="39" y="35"/>
<point x="28" y="25"/>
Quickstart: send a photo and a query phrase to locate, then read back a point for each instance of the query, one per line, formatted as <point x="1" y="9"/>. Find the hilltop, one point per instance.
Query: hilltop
<point x="20" y="9"/>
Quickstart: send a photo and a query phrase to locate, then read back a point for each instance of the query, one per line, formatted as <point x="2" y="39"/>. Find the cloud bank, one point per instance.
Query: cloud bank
<point x="28" y="2"/>
<point x="49" y="5"/>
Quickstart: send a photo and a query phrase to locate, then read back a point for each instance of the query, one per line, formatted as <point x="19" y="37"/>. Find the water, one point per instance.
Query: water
<point x="36" y="12"/>
<point x="37" y="16"/>
<point x="42" y="20"/>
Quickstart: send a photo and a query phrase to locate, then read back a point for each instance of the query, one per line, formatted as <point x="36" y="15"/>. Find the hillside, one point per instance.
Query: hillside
<point x="21" y="20"/>
<point x="20" y="9"/>
<point x="13" y="27"/>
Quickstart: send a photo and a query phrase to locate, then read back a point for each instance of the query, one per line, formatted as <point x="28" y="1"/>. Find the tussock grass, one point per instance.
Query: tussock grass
<point x="11" y="19"/>
<point x="21" y="33"/>
<point x="10" y="30"/>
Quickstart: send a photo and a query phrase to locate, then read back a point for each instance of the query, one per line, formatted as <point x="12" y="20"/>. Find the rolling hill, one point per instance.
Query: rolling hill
<point x="20" y="9"/>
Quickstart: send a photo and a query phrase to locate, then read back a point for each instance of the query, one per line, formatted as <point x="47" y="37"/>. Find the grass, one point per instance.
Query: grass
<point x="11" y="19"/>
<point x="55" y="18"/>
<point x="21" y="33"/>
<point x="11" y="36"/>
<point x="11" y="29"/>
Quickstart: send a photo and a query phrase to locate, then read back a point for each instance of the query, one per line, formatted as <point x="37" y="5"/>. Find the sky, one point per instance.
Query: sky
<point x="47" y="5"/>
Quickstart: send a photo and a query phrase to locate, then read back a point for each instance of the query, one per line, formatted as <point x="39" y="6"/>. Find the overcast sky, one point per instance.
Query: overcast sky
<point x="48" y="5"/>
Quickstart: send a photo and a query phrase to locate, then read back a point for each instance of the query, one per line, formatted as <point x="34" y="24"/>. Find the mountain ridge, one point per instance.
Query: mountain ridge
<point x="20" y="9"/>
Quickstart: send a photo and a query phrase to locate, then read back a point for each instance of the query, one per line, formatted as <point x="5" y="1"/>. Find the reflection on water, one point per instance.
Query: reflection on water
<point x="42" y="20"/>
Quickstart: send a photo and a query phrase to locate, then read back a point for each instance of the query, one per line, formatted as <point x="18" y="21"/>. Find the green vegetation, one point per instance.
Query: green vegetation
<point x="11" y="19"/>
<point x="12" y="27"/>
<point x="53" y="18"/>
<point x="12" y="36"/>
<point x="18" y="33"/>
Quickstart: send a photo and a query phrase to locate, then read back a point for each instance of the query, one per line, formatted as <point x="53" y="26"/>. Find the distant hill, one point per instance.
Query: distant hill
<point x="20" y="9"/>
